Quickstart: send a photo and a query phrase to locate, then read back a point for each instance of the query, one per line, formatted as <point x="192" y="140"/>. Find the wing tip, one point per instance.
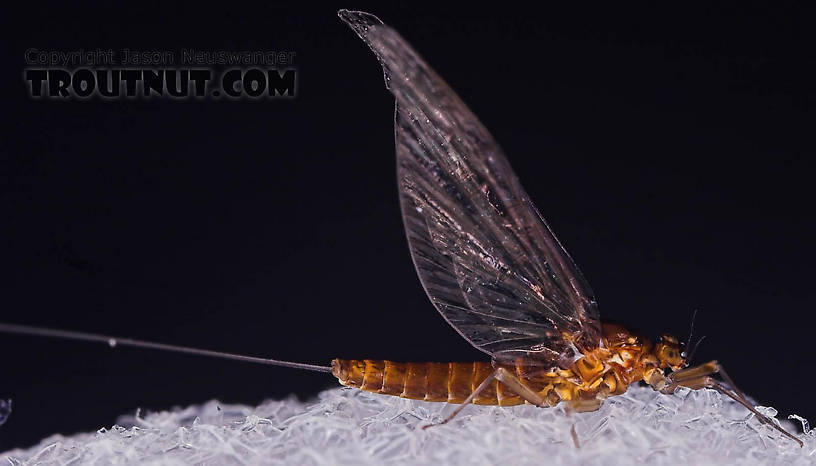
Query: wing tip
<point x="359" y="21"/>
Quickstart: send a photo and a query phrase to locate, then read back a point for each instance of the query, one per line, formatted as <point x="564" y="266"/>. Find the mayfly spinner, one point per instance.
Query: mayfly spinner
<point x="493" y="268"/>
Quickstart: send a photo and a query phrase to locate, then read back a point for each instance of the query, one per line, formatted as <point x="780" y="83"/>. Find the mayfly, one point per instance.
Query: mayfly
<point x="493" y="268"/>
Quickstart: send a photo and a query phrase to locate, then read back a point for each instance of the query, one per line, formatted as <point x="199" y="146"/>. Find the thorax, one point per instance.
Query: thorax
<point x="621" y="359"/>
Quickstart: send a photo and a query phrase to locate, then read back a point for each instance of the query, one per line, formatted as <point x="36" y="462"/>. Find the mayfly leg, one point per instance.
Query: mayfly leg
<point x="519" y="388"/>
<point x="504" y="376"/>
<point x="700" y="377"/>
<point x="709" y="382"/>
<point x="730" y="382"/>
<point x="580" y="406"/>
<point x="697" y="372"/>
<point x="482" y="387"/>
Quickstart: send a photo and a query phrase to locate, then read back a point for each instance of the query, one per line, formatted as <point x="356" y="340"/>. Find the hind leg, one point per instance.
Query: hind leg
<point x="506" y="377"/>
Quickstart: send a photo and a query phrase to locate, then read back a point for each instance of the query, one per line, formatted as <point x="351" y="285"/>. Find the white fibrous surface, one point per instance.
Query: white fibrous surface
<point x="347" y="426"/>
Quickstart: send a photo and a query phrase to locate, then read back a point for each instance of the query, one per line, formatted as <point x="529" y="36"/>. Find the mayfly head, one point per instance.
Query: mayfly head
<point x="670" y="353"/>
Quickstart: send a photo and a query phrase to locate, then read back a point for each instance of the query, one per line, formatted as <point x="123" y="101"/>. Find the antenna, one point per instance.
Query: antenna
<point x="695" y="348"/>
<point x="691" y="331"/>
<point x="116" y="341"/>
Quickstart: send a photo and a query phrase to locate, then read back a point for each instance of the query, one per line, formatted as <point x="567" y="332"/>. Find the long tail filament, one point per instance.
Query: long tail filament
<point x="116" y="341"/>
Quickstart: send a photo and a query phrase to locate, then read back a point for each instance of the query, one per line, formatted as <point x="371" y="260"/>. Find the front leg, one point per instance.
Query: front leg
<point x="700" y="377"/>
<point x="691" y="375"/>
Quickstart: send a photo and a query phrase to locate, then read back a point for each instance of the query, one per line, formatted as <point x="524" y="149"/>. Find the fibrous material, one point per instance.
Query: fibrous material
<point x="346" y="426"/>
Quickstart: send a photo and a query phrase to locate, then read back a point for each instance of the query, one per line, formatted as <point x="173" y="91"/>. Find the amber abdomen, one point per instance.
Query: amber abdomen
<point x="452" y="382"/>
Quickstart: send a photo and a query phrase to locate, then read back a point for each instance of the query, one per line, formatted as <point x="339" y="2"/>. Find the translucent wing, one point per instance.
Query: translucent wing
<point x="485" y="256"/>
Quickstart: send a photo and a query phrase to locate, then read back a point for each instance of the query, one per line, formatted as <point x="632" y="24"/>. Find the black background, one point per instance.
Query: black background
<point x="669" y="149"/>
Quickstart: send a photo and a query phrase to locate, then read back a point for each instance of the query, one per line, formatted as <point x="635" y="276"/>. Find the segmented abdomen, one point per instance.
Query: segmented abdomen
<point x="452" y="382"/>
